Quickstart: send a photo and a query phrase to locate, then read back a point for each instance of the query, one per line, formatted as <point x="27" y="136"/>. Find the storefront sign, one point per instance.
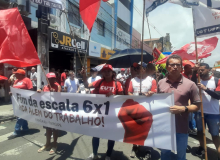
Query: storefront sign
<point x="106" y="53"/>
<point x="50" y="3"/>
<point x="122" y="40"/>
<point x="63" y="41"/>
<point x="94" y="49"/>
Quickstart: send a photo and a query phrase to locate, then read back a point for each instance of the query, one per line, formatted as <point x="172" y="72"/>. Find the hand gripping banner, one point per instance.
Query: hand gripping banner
<point x="139" y="120"/>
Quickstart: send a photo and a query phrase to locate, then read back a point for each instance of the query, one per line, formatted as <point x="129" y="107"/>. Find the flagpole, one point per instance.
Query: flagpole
<point x="142" y="44"/>
<point x="200" y="92"/>
<point x="48" y="82"/>
<point x="87" y="48"/>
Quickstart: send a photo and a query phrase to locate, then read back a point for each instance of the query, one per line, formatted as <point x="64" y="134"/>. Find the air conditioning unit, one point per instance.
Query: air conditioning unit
<point x="24" y="7"/>
<point x="55" y="22"/>
<point x="76" y="31"/>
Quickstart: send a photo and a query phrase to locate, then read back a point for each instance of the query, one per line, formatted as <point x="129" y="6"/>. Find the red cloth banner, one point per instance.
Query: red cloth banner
<point x="88" y="10"/>
<point x="187" y="52"/>
<point x="16" y="46"/>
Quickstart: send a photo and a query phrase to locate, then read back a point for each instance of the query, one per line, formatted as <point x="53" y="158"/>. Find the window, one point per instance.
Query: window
<point x="73" y="14"/>
<point x="101" y="27"/>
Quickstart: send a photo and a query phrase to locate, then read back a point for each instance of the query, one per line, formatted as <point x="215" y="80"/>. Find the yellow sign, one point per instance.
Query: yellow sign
<point x="106" y="53"/>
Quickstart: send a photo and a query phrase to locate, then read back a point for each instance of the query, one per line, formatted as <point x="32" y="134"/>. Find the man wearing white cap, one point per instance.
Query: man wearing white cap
<point x="33" y="78"/>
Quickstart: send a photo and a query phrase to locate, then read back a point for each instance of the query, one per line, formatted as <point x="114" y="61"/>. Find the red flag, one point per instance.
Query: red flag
<point x="88" y="10"/>
<point x="188" y="52"/>
<point x="16" y="46"/>
<point x="3" y="78"/>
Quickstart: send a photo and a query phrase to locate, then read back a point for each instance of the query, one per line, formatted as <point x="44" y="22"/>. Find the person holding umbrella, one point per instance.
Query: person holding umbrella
<point x="109" y="87"/>
<point x="21" y="82"/>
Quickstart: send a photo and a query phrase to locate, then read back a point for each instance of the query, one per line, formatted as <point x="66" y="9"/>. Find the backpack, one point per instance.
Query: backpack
<point x="96" y="90"/>
<point x="216" y="81"/>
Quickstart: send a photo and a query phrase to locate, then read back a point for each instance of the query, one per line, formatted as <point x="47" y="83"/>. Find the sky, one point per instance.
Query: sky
<point x="173" y="19"/>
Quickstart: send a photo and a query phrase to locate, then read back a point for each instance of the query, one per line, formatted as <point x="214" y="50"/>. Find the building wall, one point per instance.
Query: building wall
<point x="123" y="24"/>
<point x="105" y="14"/>
<point x="136" y="39"/>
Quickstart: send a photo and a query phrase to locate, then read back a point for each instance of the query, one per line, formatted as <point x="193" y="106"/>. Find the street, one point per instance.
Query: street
<point x="73" y="146"/>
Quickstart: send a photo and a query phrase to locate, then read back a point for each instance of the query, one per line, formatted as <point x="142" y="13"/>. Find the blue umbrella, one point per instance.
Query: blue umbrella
<point x="125" y="58"/>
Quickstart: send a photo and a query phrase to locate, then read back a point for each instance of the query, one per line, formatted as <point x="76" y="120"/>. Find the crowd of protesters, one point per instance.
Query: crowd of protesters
<point x="180" y="80"/>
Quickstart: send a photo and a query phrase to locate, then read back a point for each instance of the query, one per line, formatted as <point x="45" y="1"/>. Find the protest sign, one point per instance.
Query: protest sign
<point x="132" y="119"/>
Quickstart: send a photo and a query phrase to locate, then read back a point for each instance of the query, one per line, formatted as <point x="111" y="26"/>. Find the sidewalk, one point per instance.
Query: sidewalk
<point x="6" y="113"/>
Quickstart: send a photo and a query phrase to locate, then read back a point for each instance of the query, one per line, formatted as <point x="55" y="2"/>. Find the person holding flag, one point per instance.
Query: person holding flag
<point x="108" y="86"/>
<point x="210" y="87"/>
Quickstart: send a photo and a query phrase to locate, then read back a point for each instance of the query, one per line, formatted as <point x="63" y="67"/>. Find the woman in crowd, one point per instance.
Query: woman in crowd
<point x="149" y="87"/>
<point x="55" y="87"/>
<point x="21" y="82"/>
<point x="108" y="86"/>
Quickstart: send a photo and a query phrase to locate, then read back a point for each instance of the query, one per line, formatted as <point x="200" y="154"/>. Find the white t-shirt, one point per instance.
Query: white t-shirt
<point x="119" y="76"/>
<point x="33" y="76"/>
<point x="147" y="84"/>
<point x="90" y="79"/>
<point x="210" y="105"/>
<point x="71" y="85"/>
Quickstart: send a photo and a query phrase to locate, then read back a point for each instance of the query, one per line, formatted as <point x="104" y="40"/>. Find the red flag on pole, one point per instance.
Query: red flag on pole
<point x="188" y="52"/>
<point x="16" y="46"/>
<point x="88" y="10"/>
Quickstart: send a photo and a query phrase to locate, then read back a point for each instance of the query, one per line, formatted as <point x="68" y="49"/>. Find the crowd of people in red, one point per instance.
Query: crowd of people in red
<point x="184" y="84"/>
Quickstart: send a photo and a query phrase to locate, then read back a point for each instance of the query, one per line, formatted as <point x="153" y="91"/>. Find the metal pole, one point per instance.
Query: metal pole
<point x="142" y="44"/>
<point x="200" y="94"/>
<point x="39" y="51"/>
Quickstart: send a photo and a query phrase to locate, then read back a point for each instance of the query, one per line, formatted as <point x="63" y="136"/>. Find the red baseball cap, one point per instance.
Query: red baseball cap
<point x="122" y="69"/>
<point x="20" y="71"/>
<point x="107" y="66"/>
<point x="51" y="75"/>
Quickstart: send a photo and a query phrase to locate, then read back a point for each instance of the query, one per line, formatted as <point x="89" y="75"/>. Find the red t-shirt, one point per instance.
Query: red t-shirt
<point x="63" y="78"/>
<point x="105" y="87"/>
<point x="47" y="88"/>
<point x="25" y="83"/>
<point x="187" y="76"/>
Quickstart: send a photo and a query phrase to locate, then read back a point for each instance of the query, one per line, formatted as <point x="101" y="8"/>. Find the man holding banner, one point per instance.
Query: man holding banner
<point x="21" y="82"/>
<point x="184" y="90"/>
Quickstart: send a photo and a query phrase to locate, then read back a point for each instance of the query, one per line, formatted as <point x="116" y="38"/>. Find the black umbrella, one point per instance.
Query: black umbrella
<point x="125" y="58"/>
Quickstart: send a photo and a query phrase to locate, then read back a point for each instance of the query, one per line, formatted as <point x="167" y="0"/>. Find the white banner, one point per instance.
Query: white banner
<point x="207" y="20"/>
<point x="58" y="4"/>
<point x="206" y="14"/>
<point x="131" y="119"/>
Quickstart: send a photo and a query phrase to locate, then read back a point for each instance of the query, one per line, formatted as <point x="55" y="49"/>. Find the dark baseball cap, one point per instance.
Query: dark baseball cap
<point x="93" y="70"/>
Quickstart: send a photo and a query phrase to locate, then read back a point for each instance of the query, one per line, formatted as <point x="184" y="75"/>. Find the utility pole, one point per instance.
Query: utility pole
<point x="42" y="41"/>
